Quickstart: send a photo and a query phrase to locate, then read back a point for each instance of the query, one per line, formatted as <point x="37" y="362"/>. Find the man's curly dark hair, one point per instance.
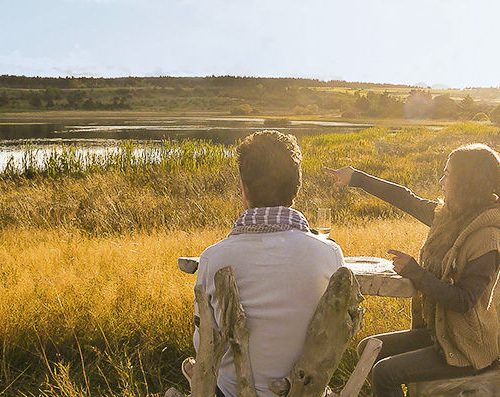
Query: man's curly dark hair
<point x="269" y="165"/>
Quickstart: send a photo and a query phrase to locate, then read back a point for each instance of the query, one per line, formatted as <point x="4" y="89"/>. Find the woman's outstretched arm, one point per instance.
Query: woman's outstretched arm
<point x="392" y="193"/>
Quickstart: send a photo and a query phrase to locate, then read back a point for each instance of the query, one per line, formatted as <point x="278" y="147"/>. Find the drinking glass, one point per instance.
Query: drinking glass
<point x="324" y="221"/>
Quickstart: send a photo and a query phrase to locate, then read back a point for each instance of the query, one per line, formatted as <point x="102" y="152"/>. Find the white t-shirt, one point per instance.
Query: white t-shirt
<point x="280" y="276"/>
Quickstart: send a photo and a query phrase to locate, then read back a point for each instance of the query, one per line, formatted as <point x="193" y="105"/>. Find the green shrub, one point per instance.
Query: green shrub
<point x="242" y="110"/>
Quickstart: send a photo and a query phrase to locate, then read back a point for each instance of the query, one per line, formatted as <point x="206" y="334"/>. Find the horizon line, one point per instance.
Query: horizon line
<point x="421" y="85"/>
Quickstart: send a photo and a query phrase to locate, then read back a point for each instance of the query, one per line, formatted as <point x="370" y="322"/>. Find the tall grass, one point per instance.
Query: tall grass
<point x="83" y="315"/>
<point x="168" y="156"/>
<point x="189" y="185"/>
<point x="91" y="301"/>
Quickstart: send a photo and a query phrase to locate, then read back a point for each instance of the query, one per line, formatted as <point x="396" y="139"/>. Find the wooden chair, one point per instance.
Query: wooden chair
<point x="486" y="384"/>
<point x="336" y="319"/>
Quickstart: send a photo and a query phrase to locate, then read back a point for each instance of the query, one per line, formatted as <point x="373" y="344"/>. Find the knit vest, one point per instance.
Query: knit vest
<point x="471" y="338"/>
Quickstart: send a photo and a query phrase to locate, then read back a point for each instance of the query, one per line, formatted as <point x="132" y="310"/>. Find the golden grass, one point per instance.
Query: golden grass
<point x="102" y="309"/>
<point x="91" y="301"/>
<point x="120" y="301"/>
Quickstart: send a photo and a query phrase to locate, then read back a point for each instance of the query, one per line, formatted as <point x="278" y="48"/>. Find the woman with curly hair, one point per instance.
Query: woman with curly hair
<point x="455" y="325"/>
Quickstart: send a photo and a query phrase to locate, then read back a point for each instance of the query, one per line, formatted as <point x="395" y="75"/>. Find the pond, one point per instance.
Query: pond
<point x="101" y="135"/>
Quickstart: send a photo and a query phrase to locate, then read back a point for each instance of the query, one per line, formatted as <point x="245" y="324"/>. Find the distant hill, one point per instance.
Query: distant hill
<point x="10" y="81"/>
<point x="246" y="96"/>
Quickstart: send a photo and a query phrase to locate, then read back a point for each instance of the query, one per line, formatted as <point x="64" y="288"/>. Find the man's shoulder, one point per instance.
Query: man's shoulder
<point x="317" y="248"/>
<point x="306" y="240"/>
<point x="214" y="247"/>
<point x="321" y="242"/>
<point x="281" y="248"/>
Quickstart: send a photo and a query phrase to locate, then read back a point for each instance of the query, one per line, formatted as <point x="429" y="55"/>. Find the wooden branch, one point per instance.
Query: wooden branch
<point x="336" y="319"/>
<point x="280" y="387"/>
<point x="173" y="392"/>
<point x="233" y="326"/>
<point x="188" y="264"/>
<point x="211" y="349"/>
<point x="365" y="364"/>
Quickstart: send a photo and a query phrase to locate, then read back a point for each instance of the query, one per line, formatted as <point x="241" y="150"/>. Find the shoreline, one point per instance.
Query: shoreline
<point x="46" y="117"/>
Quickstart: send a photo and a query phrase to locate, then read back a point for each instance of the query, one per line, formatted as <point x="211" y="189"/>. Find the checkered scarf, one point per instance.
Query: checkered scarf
<point x="269" y="220"/>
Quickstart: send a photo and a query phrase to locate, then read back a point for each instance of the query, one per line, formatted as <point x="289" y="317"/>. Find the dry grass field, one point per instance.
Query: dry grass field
<point x="91" y="301"/>
<point x="85" y="315"/>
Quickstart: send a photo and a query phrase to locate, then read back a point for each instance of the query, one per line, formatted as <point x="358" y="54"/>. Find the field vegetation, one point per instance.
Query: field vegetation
<point x="240" y="96"/>
<point x="91" y="301"/>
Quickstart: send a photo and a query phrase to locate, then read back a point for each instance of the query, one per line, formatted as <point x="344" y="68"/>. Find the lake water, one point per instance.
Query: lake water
<point x="101" y="135"/>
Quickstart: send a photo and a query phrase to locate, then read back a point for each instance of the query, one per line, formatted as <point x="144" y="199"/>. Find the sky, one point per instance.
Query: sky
<point x="437" y="42"/>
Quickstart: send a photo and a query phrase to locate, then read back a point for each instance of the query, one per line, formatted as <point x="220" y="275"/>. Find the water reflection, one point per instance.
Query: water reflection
<point x="13" y="154"/>
<point x="99" y="136"/>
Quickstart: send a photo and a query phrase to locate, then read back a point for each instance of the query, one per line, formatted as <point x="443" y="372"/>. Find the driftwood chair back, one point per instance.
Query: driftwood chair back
<point x="336" y="319"/>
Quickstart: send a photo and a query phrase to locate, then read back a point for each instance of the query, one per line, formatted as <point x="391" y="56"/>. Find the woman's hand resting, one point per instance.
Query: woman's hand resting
<point x="400" y="260"/>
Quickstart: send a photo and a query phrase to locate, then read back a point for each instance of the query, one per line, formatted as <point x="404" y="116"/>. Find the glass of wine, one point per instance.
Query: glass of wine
<point x="324" y="221"/>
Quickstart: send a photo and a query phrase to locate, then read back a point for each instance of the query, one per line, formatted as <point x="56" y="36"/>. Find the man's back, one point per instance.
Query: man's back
<point x="281" y="277"/>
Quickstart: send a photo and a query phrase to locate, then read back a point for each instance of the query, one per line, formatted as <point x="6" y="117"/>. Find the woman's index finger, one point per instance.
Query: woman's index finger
<point x="329" y="170"/>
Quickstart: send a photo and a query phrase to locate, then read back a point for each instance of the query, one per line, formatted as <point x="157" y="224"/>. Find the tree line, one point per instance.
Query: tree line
<point x="421" y="104"/>
<point x="241" y="96"/>
<point x="11" y="81"/>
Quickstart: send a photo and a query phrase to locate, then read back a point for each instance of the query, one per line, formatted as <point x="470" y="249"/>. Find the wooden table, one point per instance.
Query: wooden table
<point x="371" y="281"/>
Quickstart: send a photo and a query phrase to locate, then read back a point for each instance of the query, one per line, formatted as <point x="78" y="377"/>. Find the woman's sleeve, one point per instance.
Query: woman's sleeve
<point x="462" y="296"/>
<point x="397" y="195"/>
